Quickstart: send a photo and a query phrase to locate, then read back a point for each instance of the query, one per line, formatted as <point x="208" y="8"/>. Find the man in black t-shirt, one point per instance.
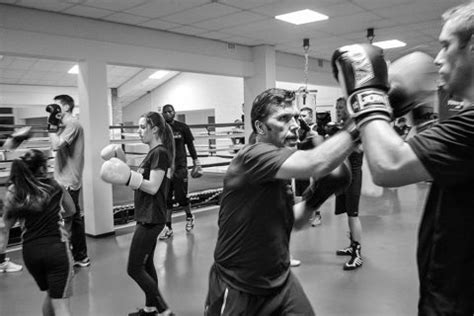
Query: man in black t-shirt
<point x="443" y="154"/>
<point x="179" y="182"/>
<point x="251" y="274"/>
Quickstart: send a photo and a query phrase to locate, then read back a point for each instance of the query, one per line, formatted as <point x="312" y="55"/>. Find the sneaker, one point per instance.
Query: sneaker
<point x="356" y="258"/>
<point x="84" y="263"/>
<point x="294" y="262"/>
<point x="8" y="266"/>
<point x="166" y="233"/>
<point x="316" y="220"/>
<point x="344" y="251"/>
<point x="189" y="223"/>
<point x="141" y="312"/>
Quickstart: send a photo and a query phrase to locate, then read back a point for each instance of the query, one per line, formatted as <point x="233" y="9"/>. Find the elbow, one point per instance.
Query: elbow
<point x="383" y="176"/>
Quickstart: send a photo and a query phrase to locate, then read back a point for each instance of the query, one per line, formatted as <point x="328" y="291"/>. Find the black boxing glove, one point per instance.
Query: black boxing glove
<point x="362" y="73"/>
<point x="54" y="119"/>
<point x="411" y="82"/>
<point x="335" y="182"/>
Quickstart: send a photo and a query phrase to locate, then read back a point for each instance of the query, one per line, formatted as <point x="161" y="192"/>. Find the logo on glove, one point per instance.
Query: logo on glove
<point x="363" y="71"/>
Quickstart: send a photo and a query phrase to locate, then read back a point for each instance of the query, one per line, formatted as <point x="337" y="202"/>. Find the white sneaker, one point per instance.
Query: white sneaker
<point x="189" y="223"/>
<point x="8" y="266"/>
<point x="166" y="233"/>
<point x="316" y="221"/>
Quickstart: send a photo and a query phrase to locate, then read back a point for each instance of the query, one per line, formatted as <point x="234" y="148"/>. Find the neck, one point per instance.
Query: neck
<point x="155" y="142"/>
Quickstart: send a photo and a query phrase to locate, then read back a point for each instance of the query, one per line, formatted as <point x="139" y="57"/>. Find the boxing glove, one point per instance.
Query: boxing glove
<point x="411" y="79"/>
<point x="17" y="138"/>
<point x="54" y="119"/>
<point x="362" y="72"/>
<point x="335" y="182"/>
<point x="196" y="171"/>
<point x="116" y="171"/>
<point x="113" y="150"/>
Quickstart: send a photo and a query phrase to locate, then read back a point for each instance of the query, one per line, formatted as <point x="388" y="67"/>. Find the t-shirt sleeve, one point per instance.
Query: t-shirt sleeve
<point x="70" y="132"/>
<point x="159" y="160"/>
<point x="262" y="161"/>
<point x="447" y="149"/>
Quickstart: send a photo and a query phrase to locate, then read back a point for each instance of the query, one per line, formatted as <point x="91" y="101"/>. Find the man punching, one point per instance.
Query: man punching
<point x="443" y="153"/>
<point x="251" y="274"/>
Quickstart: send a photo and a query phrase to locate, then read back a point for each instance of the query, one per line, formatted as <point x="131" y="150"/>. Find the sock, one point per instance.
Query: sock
<point x="149" y="309"/>
<point x="2" y="257"/>
<point x="168" y="224"/>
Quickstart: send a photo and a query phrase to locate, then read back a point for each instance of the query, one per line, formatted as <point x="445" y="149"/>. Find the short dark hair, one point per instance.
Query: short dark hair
<point x="262" y="105"/>
<point x="66" y="99"/>
<point x="307" y="109"/>
<point x="168" y="106"/>
<point x="463" y="20"/>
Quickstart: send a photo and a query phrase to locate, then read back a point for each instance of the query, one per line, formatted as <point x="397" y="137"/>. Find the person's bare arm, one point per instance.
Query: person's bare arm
<point x="319" y="161"/>
<point x="392" y="162"/>
<point x="152" y="185"/>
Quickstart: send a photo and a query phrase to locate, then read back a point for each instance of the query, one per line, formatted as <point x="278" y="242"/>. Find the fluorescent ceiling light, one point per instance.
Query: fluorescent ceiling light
<point x="159" y="74"/>
<point x="302" y="17"/>
<point x="390" y="44"/>
<point x="74" y="70"/>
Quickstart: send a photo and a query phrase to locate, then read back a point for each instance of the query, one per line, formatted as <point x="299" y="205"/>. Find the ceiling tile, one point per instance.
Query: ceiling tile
<point x="44" y="65"/>
<point x="247" y="4"/>
<point x="113" y="5"/>
<point x="341" y="9"/>
<point x="22" y="63"/>
<point x="48" y="5"/>
<point x="12" y="73"/>
<point x="159" y="24"/>
<point x="126" y="18"/>
<point x="86" y="11"/>
<point x="38" y="75"/>
<point x="201" y="13"/>
<point x="286" y="6"/>
<point x="350" y="23"/>
<point x="156" y="9"/>
<point x="372" y="4"/>
<point x="227" y="21"/>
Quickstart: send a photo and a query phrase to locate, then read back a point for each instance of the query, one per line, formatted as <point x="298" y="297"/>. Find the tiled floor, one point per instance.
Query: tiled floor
<point x="385" y="286"/>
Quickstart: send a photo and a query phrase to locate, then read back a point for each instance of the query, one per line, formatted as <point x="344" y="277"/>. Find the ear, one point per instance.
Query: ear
<point x="260" y="127"/>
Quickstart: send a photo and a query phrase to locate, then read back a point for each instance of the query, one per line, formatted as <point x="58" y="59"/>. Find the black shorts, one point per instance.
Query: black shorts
<point x="51" y="266"/>
<point x="178" y="191"/>
<point x="348" y="202"/>
<point x="225" y="300"/>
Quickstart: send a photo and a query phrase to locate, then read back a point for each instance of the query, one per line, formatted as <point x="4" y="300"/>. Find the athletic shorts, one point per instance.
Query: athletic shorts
<point x="51" y="266"/>
<point x="348" y="201"/>
<point x="222" y="299"/>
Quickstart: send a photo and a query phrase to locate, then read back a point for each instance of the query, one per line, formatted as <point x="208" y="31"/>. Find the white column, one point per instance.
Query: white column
<point x="94" y="117"/>
<point x="264" y="78"/>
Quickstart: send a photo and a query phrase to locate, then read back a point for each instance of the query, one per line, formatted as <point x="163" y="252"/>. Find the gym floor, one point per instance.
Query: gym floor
<point x="385" y="285"/>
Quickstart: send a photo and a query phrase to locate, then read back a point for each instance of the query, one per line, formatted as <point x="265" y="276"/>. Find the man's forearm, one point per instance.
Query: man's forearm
<point x="391" y="160"/>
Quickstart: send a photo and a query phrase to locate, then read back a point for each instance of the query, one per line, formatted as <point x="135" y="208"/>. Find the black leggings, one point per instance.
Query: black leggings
<point x="141" y="267"/>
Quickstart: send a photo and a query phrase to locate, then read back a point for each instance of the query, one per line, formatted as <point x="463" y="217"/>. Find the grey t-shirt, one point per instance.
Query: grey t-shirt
<point x="69" y="162"/>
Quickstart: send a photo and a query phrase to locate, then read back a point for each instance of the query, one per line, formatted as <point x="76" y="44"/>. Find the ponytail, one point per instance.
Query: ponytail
<point x="164" y="132"/>
<point x="29" y="194"/>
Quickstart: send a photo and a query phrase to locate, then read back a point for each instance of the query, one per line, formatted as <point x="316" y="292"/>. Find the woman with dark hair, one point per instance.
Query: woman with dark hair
<point x="42" y="205"/>
<point x="151" y="183"/>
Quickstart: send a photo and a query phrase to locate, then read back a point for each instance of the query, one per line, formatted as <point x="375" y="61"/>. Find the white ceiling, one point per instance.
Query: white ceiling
<point x="245" y="22"/>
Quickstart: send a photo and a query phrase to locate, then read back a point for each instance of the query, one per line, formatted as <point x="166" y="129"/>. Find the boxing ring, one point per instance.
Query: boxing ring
<point x="216" y="145"/>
